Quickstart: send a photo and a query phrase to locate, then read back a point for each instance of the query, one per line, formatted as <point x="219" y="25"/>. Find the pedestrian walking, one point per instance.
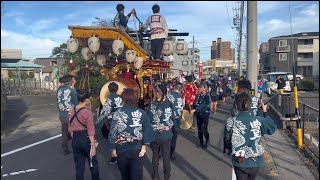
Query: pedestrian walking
<point x="113" y="102"/>
<point x="66" y="100"/>
<point x="130" y="134"/>
<point x="244" y="134"/>
<point x="160" y="113"/>
<point x="177" y="105"/>
<point x="201" y="109"/>
<point x="81" y="127"/>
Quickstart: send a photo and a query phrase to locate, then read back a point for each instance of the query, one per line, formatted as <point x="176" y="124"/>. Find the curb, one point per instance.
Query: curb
<point x="302" y="153"/>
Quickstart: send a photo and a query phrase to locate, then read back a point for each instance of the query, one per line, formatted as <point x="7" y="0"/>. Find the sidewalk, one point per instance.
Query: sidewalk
<point x="282" y="162"/>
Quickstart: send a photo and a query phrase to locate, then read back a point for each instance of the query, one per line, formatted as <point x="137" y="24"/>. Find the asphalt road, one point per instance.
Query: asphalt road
<point x="46" y="161"/>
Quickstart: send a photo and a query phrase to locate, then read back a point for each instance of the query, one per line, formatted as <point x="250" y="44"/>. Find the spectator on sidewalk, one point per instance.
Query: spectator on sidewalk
<point x="66" y="99"/>
<point x="281" y="84"/>
<point x="244" y="134"/>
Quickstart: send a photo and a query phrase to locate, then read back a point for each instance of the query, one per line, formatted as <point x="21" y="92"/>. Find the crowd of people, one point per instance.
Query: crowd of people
<point x="130" y="129"/>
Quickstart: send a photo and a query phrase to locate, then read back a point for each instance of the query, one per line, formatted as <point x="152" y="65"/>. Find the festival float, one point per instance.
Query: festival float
<point x="123" y="57"/>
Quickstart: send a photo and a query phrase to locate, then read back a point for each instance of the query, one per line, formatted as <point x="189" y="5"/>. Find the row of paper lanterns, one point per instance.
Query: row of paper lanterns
<point x="180" y="47"/>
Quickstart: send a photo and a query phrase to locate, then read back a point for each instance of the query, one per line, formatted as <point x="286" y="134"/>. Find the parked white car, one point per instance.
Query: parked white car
<point x="290" y="76"/>
<point x="270" y="79"/>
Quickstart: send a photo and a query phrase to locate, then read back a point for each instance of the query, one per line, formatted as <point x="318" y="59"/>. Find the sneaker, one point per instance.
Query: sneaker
<point x="214" y="112"/>
<point x="113" y="161"/>
<point x="192" y="127"/>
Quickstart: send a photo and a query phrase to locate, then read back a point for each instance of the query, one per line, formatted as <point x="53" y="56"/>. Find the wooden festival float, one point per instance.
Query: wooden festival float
<point x="124" y="57"/>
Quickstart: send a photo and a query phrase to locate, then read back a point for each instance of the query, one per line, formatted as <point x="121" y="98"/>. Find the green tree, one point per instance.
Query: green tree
<point x="12" y="75"/>
<point x="102" y="22"/>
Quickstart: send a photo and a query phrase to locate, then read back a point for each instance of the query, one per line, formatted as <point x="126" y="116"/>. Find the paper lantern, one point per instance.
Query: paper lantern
<point x="101" y="59"/>
<point x="130" y="55"/>
<point x="85" y="52"/>
<point x="138" y="62"/>
<point x="72" y="44"/>
<point x="94" y="44"/>
<point x="167" y="48"/>
<point x="181" y="47"/>
<point x="117" y="46"/>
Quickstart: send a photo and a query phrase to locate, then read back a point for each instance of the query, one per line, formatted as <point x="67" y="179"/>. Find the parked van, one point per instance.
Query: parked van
<point x="270" y="79"/>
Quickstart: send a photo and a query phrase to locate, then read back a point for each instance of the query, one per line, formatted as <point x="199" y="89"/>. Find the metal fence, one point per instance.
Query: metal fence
<point x="13" y="87"/>
<point x="285" y="105"/>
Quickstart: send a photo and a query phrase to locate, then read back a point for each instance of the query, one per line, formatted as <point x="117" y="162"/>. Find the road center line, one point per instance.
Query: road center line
<point x="28" y="146"/>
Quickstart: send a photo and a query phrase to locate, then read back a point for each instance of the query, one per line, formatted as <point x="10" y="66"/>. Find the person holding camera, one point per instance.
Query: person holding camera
<point x="243" y="133"/>
<point x="201" y="109"/>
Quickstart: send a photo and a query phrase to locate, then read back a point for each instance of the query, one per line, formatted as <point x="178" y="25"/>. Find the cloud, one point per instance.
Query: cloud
<point x="306" y="20"/>
<point x="40" y="25"/>
<point x="31" y="46"/>
<point x="268" y="6"/>
<point x="312" y="10"/>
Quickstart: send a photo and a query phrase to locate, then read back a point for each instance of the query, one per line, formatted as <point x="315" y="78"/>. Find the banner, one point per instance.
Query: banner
<point x="200" y="71"/>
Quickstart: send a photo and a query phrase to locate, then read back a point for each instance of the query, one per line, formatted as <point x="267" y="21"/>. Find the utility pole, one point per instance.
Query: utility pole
<point x="237" y="22"/>
<point x="240" y="41"/>
<point x="193" y="55"/>
<point x="252" y="52"/>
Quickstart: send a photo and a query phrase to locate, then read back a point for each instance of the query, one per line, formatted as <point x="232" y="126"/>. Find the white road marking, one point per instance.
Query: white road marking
<point x="28" y="146"/>
<point x="19" y="172"/>
<point x="234" y="177"/>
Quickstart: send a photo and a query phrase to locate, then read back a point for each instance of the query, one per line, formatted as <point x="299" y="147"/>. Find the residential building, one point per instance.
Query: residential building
<point x="301" y="48"/>
<point x="222" y="50"/>
<point x="11" y="61"/>
<point x="51" y="66"/>
<point x="186" y="63"/>
<point x="264" y="58"/>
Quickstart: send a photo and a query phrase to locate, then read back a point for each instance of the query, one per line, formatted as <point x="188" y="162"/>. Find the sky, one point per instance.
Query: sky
<point x="38" y="27"/>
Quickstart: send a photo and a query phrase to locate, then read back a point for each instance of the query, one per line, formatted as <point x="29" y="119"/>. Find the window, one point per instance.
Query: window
<point x="53" y="63"/>
<point x="282" y="56"/>
<point x="282" y="43"/>
<point x="184" y="63"/>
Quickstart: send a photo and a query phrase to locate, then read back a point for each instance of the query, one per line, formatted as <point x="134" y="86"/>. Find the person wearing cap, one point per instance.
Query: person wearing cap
<point x="67" y="98"/>
<point x="201" y="108"/>
<point x="113" y="103"/>
<point x="129" y="136"/>
<point x="120" y="20"/>
<point x="177" y="105"/>
<point x="159" y="31"/>
<point x="161" y="114"/>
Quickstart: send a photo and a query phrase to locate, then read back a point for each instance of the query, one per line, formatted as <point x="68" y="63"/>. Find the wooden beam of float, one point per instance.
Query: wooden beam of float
<point x="108" y="33"/>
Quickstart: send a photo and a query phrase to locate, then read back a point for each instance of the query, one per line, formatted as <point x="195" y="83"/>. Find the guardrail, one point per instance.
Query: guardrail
<point x="285" y="106"/>
<point x="13" y="87"/>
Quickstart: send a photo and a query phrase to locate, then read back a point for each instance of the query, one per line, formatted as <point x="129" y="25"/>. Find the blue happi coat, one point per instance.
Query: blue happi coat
<point x="130" y="129"/>
<point x="160" y="114"/>
<point x="177" y="105"/>
<point x="67" y="98"/>
<point x="247" y="132"/>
